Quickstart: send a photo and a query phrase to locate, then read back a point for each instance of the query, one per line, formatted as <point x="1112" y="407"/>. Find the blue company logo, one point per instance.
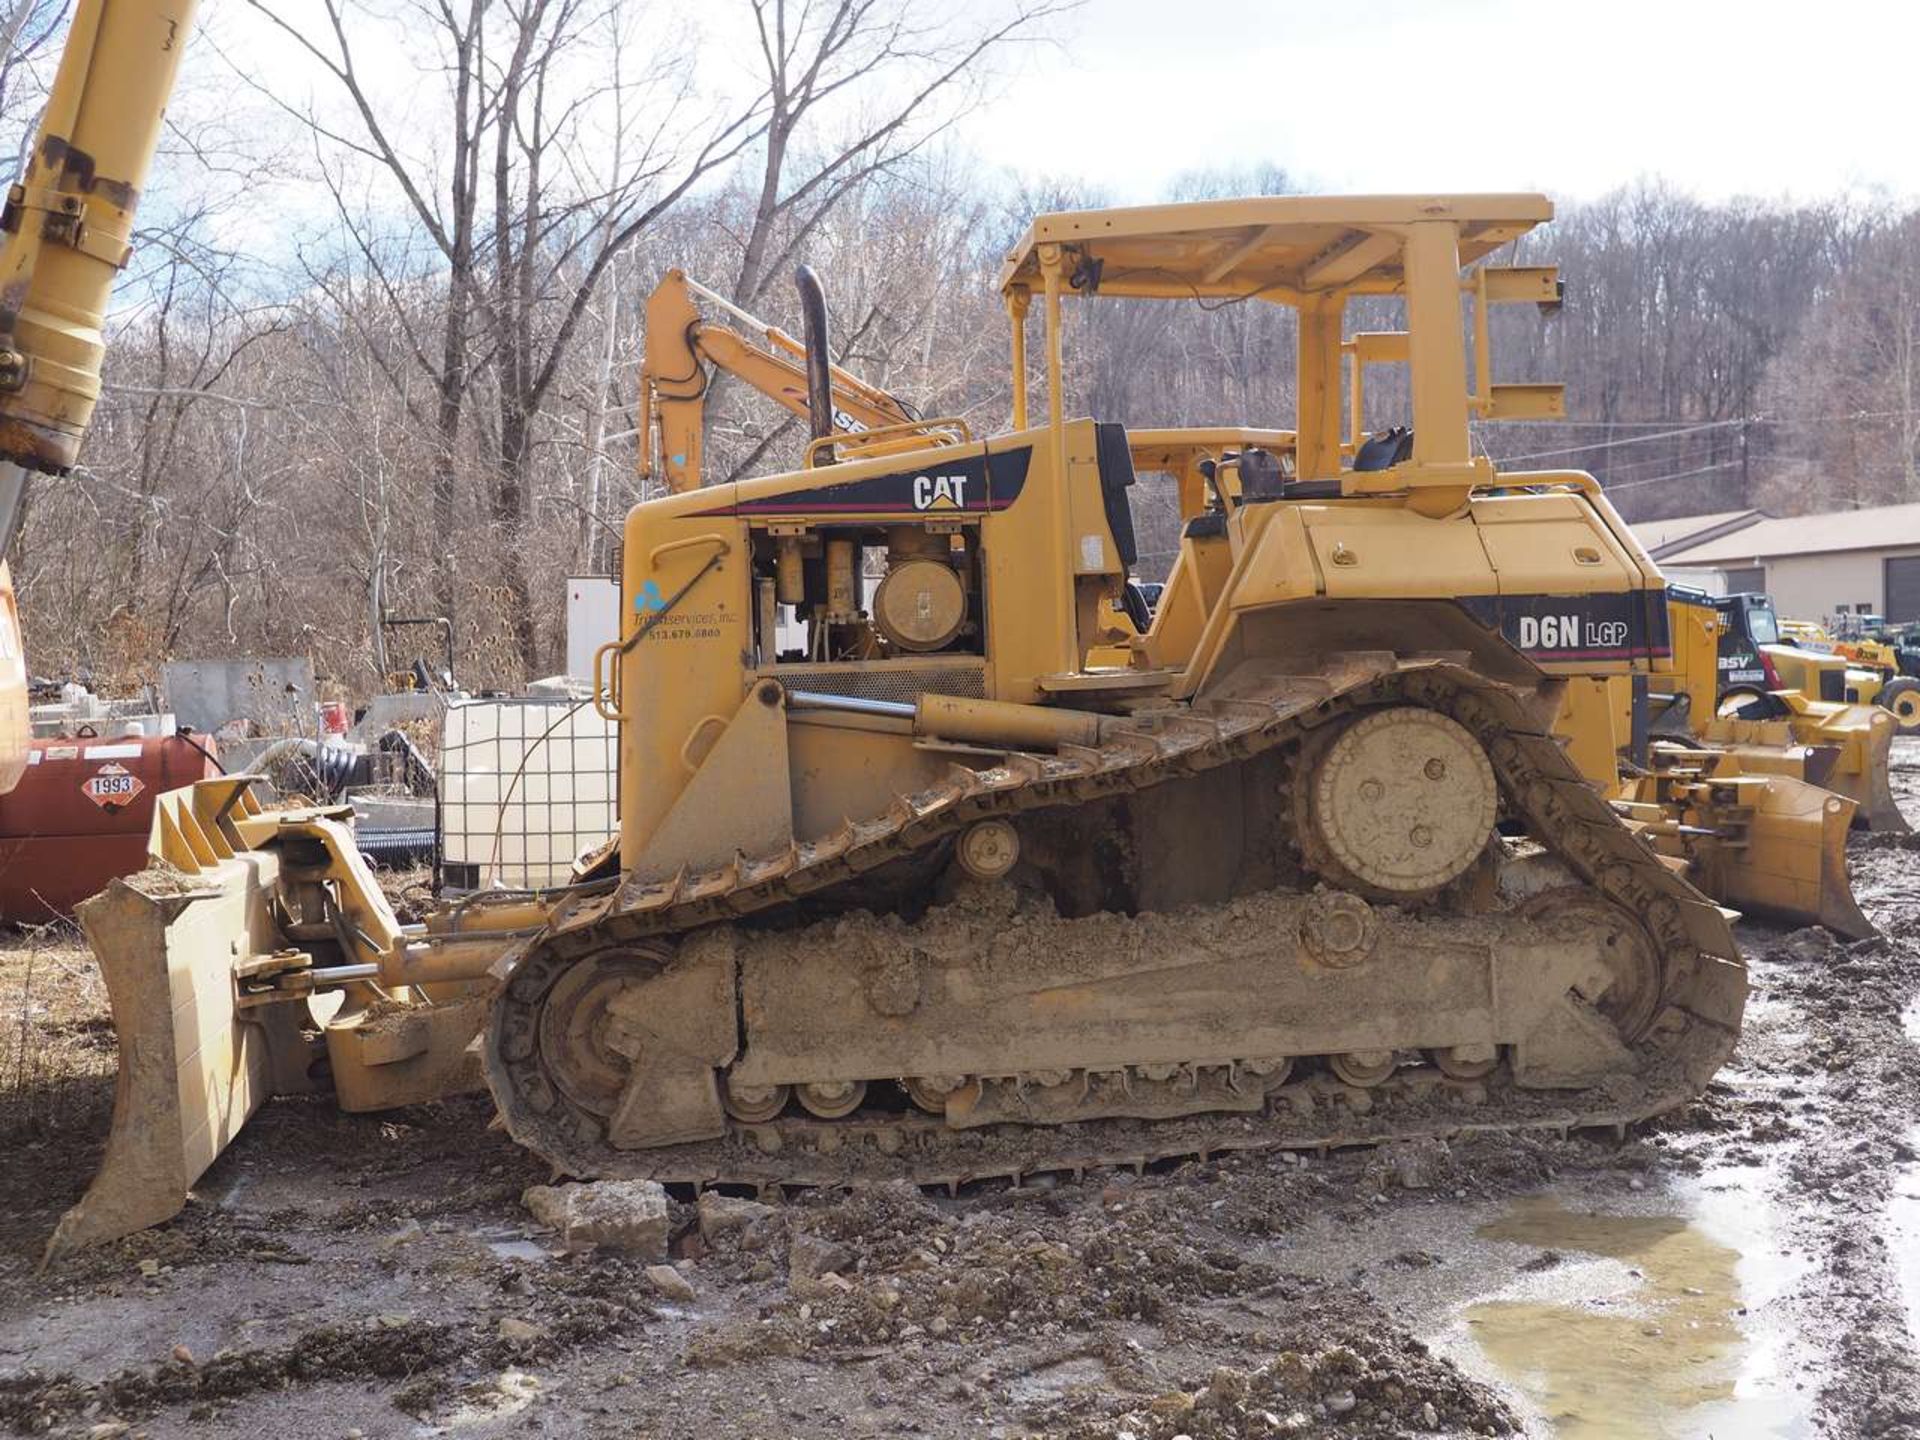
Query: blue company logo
<point x="649" y="599"/>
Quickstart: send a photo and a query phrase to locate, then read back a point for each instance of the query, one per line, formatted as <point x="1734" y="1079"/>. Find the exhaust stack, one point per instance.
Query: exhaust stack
<point x="813" y="314"/>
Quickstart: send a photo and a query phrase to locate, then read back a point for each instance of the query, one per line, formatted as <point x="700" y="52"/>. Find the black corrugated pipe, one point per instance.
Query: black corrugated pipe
<point x="813" y="315"/>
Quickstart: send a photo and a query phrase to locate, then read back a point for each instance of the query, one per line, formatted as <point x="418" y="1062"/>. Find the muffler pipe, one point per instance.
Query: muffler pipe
<point x="813" y="316"/>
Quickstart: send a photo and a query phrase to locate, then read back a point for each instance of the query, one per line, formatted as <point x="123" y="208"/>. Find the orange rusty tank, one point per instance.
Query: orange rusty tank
<point x="80" y="815"/>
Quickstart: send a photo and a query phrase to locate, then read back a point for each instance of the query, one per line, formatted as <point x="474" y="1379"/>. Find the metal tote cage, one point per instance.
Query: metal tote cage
<point x="526" y="784"/>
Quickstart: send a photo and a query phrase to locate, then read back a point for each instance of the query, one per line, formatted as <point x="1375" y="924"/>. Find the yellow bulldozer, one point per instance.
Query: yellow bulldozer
<point x="1775" y="692"/>
<point x="1751" y="817"/>
<point x="928" y="895"/>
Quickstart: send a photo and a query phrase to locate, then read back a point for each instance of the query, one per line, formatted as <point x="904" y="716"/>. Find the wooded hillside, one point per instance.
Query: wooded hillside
<point x="418" y="398"/>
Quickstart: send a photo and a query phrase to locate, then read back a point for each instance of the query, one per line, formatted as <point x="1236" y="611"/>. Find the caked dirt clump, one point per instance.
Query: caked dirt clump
<point x="1374" y="1379"/>
<point x="31" y="1402"/>
<point x="584" y="1305"/>
<point x="889" y="1265"/>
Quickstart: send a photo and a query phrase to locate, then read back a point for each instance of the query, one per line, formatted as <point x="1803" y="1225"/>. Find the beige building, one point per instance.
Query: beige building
<point x="1814" y="566"/>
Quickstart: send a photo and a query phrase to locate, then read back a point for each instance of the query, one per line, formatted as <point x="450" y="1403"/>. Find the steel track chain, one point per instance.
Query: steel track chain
<point x="1702" y="981"/>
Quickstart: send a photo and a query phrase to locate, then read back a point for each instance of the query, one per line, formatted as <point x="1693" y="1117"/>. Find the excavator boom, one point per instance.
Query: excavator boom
<point x="67" y="228"/>
<point x="684" y="345"/>
<point x="69" y="220"/>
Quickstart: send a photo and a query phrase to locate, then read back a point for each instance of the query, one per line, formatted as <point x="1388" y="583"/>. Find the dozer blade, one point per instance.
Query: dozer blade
<point x="1872" y="784"/>
<point x="194" y="1064"/>
<point x="247" y="925"/>
<point x="1794" y="865"/>
<point x="1859" y="738"/>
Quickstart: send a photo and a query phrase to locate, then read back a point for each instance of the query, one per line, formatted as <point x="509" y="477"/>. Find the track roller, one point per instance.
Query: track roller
<point x="831" y="1099"/>
<point x="1362" y="1068"/>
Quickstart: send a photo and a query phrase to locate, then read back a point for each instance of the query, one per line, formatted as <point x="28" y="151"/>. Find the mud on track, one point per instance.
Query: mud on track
<point x="1742" y="1263"/>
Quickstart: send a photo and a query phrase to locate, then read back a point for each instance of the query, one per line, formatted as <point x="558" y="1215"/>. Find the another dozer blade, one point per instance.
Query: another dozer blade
<point x="1858" y="738"/>
<point x="194" y="1064"/>
<point x="1794" y="864"/>
<point x="1872" y="785"/>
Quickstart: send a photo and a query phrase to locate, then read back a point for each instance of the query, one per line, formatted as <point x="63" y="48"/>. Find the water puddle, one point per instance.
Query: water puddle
<point x="1056" y="1382"/>
<point x="511" y="1245"/>
<point x="1903" y="1235"/>
<point x="1639" y="1325"/>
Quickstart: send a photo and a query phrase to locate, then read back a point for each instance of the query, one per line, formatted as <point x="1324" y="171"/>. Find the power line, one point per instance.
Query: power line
<point x="1678" y="475"/>
<point x="1615" y="444"/>
<point x="1609" y="424"/>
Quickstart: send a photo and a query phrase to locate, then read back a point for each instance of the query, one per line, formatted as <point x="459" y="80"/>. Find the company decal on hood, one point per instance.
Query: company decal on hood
<point x="976" y="485"/>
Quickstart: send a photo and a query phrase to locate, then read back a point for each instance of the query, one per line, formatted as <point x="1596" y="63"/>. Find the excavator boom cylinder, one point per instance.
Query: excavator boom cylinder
<point x="69" y="221"/>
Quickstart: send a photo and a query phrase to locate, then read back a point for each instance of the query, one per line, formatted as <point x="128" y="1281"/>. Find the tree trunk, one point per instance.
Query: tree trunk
<point x="510" y="528"/>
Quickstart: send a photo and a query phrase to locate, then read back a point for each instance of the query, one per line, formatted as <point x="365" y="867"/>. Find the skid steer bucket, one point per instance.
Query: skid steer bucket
<point x="194" y="1062"/>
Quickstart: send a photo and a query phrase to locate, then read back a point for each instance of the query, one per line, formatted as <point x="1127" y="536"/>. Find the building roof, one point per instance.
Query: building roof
<point x="1661" y="537"/>
<point x="1883" y="527"/>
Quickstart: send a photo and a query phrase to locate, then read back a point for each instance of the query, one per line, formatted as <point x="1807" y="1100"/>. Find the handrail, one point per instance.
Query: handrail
<point x="688" y="542"/>
<point x="962" y="435"/>
<point x="606" y="684"/>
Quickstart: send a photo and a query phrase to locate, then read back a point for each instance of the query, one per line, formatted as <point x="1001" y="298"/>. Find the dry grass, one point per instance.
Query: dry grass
<point x="57" y="1053"/>
<point x="409" y="892"/>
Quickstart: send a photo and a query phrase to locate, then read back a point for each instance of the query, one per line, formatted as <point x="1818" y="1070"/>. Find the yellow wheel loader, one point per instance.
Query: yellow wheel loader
<point x="931" y="896"/>
<point x="1874" y="675"/>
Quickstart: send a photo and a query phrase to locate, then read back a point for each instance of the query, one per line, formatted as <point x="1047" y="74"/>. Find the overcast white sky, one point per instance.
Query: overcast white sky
<point x="1721" y="97"/>
<point x="1759" y="98"/>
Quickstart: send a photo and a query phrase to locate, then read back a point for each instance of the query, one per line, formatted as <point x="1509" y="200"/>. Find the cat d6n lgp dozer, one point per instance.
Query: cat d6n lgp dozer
<point x="923" y="894"/>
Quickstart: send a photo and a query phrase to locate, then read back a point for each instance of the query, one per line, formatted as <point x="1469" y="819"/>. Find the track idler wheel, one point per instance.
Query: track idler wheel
<point x="620" y="1049"/>
<point x="1396" y="803"/>
<point x="1626" y="987"/>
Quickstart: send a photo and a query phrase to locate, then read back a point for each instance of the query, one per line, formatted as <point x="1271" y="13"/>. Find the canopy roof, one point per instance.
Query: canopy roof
<point x="1279" y="247"/>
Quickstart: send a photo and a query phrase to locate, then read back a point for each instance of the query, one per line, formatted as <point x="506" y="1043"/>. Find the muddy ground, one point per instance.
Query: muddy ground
<point x="1748" y="1266"/>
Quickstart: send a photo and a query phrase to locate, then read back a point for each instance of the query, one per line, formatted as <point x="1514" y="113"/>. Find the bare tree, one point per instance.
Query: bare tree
<point x="28" y="29"/>
<point x="530" y="222"/>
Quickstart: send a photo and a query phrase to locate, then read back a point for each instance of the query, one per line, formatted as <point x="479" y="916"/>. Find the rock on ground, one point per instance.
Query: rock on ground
<point x="625" y="1215"/>
<point x="671" y="1284"/>
<point x="726" y="1214"/>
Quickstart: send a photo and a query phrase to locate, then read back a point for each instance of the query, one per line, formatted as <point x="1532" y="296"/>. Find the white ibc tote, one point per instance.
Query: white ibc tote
<point x="526" y="784"/>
